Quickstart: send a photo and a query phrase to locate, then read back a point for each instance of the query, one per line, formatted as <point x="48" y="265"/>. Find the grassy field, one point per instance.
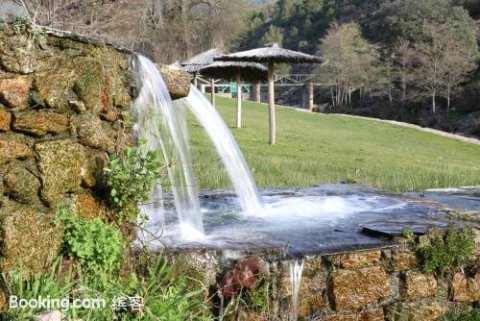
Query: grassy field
<point x="318" y="148"/>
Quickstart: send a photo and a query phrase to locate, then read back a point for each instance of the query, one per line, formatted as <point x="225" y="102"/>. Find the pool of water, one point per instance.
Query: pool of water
<point x="317" y="220"/>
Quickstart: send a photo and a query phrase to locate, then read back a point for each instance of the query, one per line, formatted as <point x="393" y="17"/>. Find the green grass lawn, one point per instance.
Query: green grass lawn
<point x="318" y="148"/>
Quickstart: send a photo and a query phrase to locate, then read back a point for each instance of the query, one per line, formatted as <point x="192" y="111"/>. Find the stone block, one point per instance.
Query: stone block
<point x="419" y="285"/>
<point x="93" y="133"/>
<point x="20" y="184"/>
<point x="425" y="310"/>
<point x="60" y="163"/>
<point x="87" y="207"/>
<point x="403" y="260"/>
<point x="355" y="289"/>
<point x="56" y="88"/>
<point x="365" y="315"/>
<point x="14" y="91"/>
<point x="5" y="120"/>
<point x="11" y="150"/>
<point x="40" y="123"/>
<point x="466" y="289"/>
<point x="357" y="259"/>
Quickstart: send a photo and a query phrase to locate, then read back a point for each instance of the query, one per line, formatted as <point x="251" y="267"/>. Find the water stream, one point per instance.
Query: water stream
<point x="296" y="272"/>
<point x="164" y="128"/>
<point x="227" y="148"/>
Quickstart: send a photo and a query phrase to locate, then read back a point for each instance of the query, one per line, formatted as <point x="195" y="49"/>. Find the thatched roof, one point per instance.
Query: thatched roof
<point x="249" y="71"/>
<point x="273" y="54"/>
<point x="194" y="64"/>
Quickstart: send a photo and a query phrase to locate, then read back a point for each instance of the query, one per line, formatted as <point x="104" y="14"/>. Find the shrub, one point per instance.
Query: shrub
<point x="131" y="179"/>
<point x="447" y="250"/>
<point x="97" y="245"/>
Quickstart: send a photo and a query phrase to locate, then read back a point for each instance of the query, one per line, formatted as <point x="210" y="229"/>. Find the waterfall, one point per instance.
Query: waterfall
<point x="227" y="149"/>
<point x="296" y="272"/>
<point x="164" y="128"/>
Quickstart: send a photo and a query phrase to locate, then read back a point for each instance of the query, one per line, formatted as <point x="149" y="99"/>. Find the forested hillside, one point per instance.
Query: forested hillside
<point x="404" y="59"/>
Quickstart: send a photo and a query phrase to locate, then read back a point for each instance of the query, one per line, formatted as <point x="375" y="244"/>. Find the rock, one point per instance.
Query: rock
<point x="355" y="289"/>
<point x="40" y="123"/>
<point x="357" y="259"/>
<point x="426" y="310"/>
<point x="403" y="260"/>
<point x="20" y="184"/>
<point x="17" y="53"/>
<point x="310" y="296"/>
<point x="55" y="88"/>
<point x="312" y="266"/>
<point x="5" y="120"/>
<point x="419" y="285"/>
<point x="93" y="133"/>
<point x="60" y="163"/>
<point x="10" y="150"/>
<point x="89" y="82"/>
<point x="77" y="105"/>
<point x="87" y="207"/>
<point x="178" y="82"/>
<point x="14" y="91"/>
<point x="30" y="240"/>
<point x="465" y="289"/>
<point x="110" y="115"/>
<point x="49" y="316"/>
<point x="366" y="315"/>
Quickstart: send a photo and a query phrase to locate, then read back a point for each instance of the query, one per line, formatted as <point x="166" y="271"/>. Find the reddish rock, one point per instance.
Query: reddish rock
<point x="40" y="123"/>
<point x="355" y="289"/>
<point x="5" y="120"/>
<point x="14" y="91"/>
<point x="465" y="289"/>
<point x="93" y="133"/>
<point x="87" y="207"/>
<point x="357" y="259"/>
<point x="10" y="150"/>
<point x="419" y="285"/>
<point x="244" y="275"/>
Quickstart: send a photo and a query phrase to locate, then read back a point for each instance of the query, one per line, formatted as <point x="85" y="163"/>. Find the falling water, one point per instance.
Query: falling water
<point x="228" y="150"/>
<point x="163" y="127"/>
<point x="296" y="271"/>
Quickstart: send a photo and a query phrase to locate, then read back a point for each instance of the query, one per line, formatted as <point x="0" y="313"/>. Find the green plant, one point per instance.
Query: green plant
<point x="447" y="250"/>
<point x="164" y="296"/>
<point x="97" y="245"/>
<point x="22" y="24"/>
<point x="408" y="234"/>
<point x="469" y="314"/>
<point x="131" y="178"/>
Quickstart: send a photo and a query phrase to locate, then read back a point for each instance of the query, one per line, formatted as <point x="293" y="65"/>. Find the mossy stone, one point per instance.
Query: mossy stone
<point x="21" y="184"/>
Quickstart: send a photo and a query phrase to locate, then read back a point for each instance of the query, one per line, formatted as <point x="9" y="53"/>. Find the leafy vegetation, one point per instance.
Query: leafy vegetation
<point x="447" y="251"/>
<point x="97" y="245"/>
<point x="165" y="297"/>
<point x="318" y="148"/>
<point x="469" y="314"/>
<point x="131" y="178"/>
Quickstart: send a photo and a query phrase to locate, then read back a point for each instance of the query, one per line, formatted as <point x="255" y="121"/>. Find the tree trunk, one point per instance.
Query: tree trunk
<point x="212" y="97"/>
<point x="271" y="103"/>
<point x="448" y="100"/>
<point x="434" y="105"/>
<point x="310" y="96"/>
<point x="239" y="101"/>
<point x="258" y="92"/>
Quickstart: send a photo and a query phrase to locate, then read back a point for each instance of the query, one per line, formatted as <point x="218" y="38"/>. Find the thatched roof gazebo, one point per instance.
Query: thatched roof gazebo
<point x="194" y="64"/>
<point x="271" y="56"/>
<point x="229" y="70"/>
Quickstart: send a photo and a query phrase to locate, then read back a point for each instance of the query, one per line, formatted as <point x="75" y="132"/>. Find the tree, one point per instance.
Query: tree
<point x="351" y="62"/>
<point x="404" y="57"/>
<point x="445" y="59"/>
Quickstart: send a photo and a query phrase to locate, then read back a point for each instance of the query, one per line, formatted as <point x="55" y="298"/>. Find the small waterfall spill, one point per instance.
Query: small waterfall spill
<point x="163" y="127"/>
<point x="296" y="272"/>
<point x="228" y="150"/>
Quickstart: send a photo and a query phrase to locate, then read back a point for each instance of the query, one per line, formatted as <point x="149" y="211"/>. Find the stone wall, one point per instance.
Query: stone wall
<point x="63" y="100"/>
<point x="370" y="285"/>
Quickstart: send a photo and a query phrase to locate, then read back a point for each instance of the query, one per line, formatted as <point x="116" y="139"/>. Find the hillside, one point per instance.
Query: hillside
<point x="319" y="148"/>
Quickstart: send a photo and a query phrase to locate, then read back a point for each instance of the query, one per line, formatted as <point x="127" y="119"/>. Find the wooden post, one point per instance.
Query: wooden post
<point x="271" y="103"/>
<point x="310" y="96"/>
<point x="195" y="81"/>
<point x="258" y="92"/>
<point x="202" y="88"/>
<point x="239" y="100"/>
<point x="212" y="97"/>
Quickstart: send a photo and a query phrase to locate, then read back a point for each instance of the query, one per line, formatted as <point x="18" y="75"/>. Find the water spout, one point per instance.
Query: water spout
<point x="296" y="272"/>
<point x="164" y="128"/>
<point x="228" y="150"/>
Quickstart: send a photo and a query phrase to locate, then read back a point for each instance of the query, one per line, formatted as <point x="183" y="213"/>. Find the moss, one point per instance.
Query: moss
<point x="89" y="82"/>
